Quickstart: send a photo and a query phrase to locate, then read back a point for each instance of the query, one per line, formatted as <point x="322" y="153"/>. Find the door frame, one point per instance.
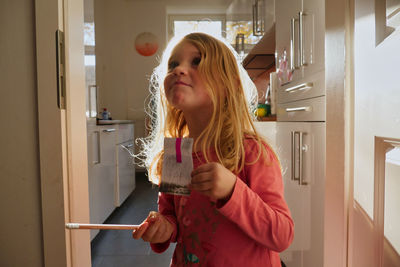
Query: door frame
<point x="339" y="128"/>
<point x="62" y="134"/>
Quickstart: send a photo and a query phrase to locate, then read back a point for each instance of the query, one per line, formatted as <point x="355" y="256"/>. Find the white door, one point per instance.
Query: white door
<point x="374" y="233"/>
<point x="62" y="134"/>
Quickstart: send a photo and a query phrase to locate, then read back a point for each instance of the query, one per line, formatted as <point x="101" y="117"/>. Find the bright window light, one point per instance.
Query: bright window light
<point x="213" y="28"/>
<point x="90" y="60"/>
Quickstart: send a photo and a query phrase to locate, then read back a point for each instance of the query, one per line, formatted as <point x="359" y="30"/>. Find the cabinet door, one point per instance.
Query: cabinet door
<point x="93" y="143"/>
<point x="308" y="87"/>
<point x="313" y="35"/>
<point x="102" y="171"/>
<point x="301" y="149"/>
<point x="106" y="172"/>
<point x="286" y="14"/>
<point x="125" y="182"/>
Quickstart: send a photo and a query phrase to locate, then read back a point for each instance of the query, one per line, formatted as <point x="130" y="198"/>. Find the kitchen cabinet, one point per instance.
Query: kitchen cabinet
<point x="262" y="55"/>
<point x="101" y="172"/>
<point x="301" y="105"/>
<point x="267" y="130"/>
<point x="125" y="170"/>
<point x="300" y="33"/>
<point x="111" y="168"/>
<point x="301" y="150"/>
<point x="302" y="155"/>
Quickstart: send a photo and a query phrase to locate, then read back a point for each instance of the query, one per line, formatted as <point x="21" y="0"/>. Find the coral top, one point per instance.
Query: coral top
<point x="250" y="229"/>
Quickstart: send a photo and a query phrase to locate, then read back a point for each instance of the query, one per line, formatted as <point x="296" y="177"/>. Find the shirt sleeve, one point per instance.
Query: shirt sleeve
<point x="257" y="204"/>
<point x="167" y="208"/>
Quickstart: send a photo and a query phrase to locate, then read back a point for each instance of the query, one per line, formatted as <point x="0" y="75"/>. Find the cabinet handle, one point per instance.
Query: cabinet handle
<point x="298" y="109"/>
<point x="300" y="148"/>
<point x="301" y="39"/>
<point x="257" y="30"/>
<point x="98" y="149"/>
<point x="128" y="146"/>
<point x="293" y="135"/>
<point x="300" y="87"/>
<point x="108" y="130"/>
<point x="293" y="64"/>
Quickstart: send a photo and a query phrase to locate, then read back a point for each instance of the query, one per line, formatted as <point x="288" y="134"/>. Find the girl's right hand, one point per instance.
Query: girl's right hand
<point x="155" y="229"/>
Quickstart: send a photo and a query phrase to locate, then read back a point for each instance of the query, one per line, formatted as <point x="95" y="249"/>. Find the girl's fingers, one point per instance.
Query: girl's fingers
<point x="138" y="233"/>
<point x="159" y="233"/>
<point x="201" y="177"/>
<point x="201" y="186"/>
<point x="151" y="231"/>
<point x="202" y="168"/>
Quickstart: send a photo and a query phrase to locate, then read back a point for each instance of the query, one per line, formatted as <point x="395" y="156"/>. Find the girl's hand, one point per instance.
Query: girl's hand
<point x="155" y="229"/>
<point x="213" y="180"/>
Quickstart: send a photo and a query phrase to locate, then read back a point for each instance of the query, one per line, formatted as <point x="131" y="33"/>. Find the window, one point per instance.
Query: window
<point x="183" y="24"/>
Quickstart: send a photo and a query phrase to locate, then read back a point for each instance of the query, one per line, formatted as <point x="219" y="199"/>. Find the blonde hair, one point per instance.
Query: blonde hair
<point x="234" y="98"/>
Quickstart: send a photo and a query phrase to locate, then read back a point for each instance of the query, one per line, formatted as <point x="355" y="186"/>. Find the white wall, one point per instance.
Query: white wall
<point x="122" y="74"/>
<point x="20" y="224"/>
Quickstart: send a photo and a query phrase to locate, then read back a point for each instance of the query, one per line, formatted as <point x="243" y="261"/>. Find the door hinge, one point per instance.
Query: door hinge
<point x="60" y="57"/>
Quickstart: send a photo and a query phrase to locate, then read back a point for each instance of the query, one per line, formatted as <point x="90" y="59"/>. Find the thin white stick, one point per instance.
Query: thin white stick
<point x="101" y="226"/>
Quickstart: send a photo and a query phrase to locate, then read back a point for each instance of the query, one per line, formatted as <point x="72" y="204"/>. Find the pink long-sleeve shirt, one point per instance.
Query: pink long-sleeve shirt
<point x="250" y="229"/>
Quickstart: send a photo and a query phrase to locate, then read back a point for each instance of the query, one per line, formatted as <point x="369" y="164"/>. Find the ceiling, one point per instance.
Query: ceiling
<point x="174" y="6"/>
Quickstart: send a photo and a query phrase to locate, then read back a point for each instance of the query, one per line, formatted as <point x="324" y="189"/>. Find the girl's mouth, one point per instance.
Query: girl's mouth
<point x="181" y="83"/>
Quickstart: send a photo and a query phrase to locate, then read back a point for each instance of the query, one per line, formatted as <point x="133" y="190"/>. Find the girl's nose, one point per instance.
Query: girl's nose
<point x="180" y="70"/>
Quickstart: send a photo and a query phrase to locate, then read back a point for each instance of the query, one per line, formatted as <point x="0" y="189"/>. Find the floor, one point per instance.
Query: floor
<point x="117" y="247"/>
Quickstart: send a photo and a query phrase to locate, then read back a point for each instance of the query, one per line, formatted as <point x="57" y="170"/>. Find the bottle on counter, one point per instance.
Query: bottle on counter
<point x="105" y="114"/>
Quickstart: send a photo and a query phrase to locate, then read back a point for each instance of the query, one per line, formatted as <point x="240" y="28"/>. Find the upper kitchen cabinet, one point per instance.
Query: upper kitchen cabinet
<point x="239" y="26"/>
<point x="251" y="30"/>
<point x="247" y="22"/>
<point x="300" y="33"/>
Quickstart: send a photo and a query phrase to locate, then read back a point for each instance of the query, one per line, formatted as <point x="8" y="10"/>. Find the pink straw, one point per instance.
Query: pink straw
<point x="178" y="149"/>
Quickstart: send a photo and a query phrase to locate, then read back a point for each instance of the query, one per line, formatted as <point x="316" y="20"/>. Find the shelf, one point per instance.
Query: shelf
<point x="269" y="118"/>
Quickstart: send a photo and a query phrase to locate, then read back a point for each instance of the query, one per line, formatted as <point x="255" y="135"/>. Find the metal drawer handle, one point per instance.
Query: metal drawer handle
<point x="298" y="109"/>
<point x="300" y="87"/>
<point x="128" y="146"/>
<point x="108" y="130"/>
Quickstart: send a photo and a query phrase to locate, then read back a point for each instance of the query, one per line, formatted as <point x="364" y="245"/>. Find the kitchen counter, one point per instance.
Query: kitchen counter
<point x="109" y="122"/>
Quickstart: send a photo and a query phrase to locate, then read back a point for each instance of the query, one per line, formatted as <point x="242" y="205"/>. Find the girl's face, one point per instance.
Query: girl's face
<point x="184" y="88"/>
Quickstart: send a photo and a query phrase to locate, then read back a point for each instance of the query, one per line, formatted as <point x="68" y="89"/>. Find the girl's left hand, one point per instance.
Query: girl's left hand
<point x="213" y="180"/>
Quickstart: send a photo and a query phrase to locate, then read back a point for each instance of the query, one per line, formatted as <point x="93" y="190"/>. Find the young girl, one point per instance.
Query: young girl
<point x="236" y="214"/>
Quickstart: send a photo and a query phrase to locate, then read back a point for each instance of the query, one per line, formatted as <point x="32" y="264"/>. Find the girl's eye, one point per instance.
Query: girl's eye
<point x="196" y="61"/>
<point x="172" y="65"/>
